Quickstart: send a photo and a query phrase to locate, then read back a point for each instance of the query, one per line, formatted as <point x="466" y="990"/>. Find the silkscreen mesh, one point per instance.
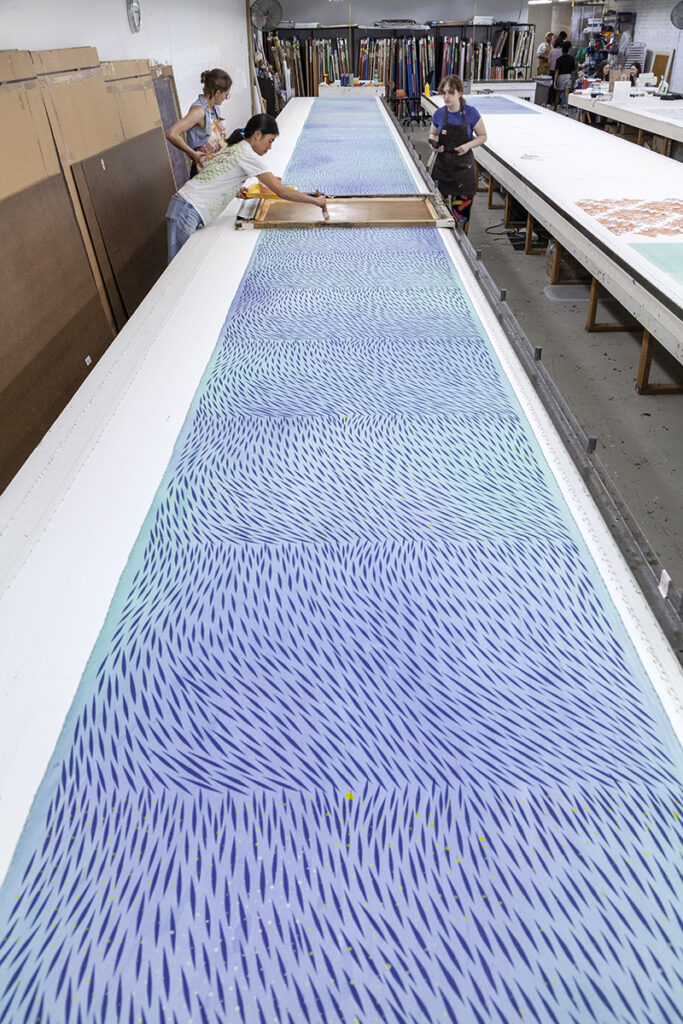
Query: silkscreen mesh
<point x="363" y="738"/>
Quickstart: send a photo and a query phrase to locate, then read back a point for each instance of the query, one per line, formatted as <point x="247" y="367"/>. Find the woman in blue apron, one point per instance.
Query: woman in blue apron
<point x="457" y="128"/>
<point x="203" y="123"/>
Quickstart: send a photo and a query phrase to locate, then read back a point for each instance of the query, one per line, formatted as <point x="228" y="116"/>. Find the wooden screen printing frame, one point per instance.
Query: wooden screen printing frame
<point x="377" y="211"/>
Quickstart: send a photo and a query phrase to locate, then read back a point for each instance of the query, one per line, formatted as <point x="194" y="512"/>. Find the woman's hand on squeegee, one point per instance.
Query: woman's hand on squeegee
<point x="321" y="201"/>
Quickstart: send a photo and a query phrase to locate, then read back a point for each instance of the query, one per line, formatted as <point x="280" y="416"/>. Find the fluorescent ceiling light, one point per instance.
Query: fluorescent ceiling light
<point x="530" y="2"/>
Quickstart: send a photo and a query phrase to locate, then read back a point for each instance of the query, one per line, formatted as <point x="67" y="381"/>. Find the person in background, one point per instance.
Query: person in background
<point x="457" y="128"/>
<point x="542" y="54"/>
<point x="602" y="71"/>
<point x="565" y="67"/>
<point x="554" y="53"/>
<point x="205" y="196"/>
<point x="634" y="71"/>
<point x="203" y="123"/>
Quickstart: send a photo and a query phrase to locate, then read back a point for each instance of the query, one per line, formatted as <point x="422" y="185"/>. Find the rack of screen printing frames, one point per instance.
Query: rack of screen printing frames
<point x="302" y="57"/>
<point x="663" y="596"/>
<point x="404" y="57"/>
<point x="486" y="52"/>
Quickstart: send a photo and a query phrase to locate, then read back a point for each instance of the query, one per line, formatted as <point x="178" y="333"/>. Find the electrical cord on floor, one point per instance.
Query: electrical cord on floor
<point x="490" y="230"/>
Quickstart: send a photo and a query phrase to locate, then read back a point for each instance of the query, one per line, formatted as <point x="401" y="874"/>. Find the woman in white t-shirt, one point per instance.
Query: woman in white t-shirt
<point x="201" y="199"/>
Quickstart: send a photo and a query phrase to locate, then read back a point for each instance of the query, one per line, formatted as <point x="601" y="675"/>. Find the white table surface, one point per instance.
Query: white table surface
<point x="525" y="90"/>
<point x="551" y="164"/>
<point x="661" y="117"/>
<point x="69" y="519"/>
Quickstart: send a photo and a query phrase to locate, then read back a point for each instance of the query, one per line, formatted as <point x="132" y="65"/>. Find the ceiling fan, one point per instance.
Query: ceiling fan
<point x="266" y="14"/>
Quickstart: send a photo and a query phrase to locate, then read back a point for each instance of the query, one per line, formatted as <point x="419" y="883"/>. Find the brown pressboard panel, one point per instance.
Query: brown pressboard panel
<point x="167" y="98"/>
<point x="129" y="187"/>
<point x="51" y="317"/>
<point x="103" y="263"/>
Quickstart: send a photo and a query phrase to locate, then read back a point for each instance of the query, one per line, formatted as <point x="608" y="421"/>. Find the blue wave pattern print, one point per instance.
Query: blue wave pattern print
<point x="500" y="105"/>
<point x="349" y="152"/>
<point x="362" y="738"/>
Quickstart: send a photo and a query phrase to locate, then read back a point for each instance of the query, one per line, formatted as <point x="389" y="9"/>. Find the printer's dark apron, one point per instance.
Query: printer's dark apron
<point x="453" y="173"/>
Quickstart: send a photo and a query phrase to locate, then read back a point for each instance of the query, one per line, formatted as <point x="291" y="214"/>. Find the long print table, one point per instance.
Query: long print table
<point x="649" y="114"/>
<point x="368" y="733"/>
<point x="615" y="207"/>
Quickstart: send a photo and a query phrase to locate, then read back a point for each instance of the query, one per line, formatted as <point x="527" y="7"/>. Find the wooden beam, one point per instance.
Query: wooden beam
<point x="252" y="61"/>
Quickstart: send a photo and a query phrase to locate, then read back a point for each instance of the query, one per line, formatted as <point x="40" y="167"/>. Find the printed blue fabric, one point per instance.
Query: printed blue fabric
<point x="363" y="737"/>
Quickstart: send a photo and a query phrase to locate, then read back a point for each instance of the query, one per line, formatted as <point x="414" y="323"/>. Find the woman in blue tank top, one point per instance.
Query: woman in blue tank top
<point x="203" y="123"/>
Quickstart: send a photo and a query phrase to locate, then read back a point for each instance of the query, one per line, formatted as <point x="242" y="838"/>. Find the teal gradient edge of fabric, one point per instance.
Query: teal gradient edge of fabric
<point x="666" y="256"/>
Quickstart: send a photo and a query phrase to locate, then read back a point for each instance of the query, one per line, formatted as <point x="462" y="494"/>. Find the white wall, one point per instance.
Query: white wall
<point x="192" y="35"/>
<point x="654" y="28"/>
<point x="366" y="12"/>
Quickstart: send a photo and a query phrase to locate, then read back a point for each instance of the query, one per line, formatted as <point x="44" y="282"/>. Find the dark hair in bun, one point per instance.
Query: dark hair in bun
<point x="215" y="80"/>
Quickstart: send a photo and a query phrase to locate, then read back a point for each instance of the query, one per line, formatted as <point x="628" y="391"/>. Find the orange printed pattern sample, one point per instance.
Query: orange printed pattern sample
<point x="647" y="217"/>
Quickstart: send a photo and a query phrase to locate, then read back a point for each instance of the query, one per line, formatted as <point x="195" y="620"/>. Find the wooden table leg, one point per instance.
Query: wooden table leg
<point x="529" y="232"/>
<point x="492" y="205"/>
<point x="643" y="386"/>
<point x="643" y="378"/>
<point x="555" y="266"/>
<point x="591" y="323"/>
<point x="507" y="223"/>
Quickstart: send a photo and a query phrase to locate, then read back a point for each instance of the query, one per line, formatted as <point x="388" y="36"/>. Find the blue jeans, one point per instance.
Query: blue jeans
<point x="182" y="220"/>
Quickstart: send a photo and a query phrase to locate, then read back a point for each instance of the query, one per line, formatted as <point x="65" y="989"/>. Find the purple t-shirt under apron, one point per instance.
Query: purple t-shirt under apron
<point x="472" y="115"/>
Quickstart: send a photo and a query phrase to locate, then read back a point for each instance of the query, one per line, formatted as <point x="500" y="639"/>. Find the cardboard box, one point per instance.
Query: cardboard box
<point x="32" y="156"/>
<point x="82" y="114"/>
<point x="47" y="62"/>
<point x="83" y="121"/>
<point x="15" y="65"/>
<point x="131" y="87"/>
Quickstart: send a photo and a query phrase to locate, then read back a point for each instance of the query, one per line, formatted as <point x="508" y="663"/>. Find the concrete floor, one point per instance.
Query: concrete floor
<point x="640" y="437"/>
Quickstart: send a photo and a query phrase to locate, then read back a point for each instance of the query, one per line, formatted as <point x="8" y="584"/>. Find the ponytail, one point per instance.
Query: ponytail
<point x="263" y="123"/>
<point x="236" y="137"/>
